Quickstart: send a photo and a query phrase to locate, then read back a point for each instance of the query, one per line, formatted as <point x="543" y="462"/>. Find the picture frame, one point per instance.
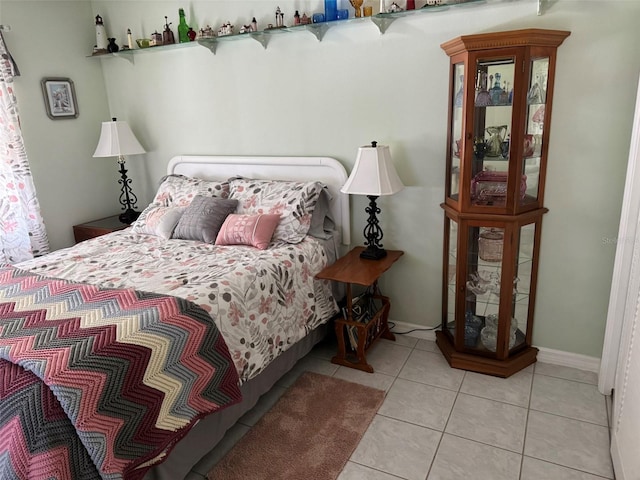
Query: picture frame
<point x="59" y="98"/>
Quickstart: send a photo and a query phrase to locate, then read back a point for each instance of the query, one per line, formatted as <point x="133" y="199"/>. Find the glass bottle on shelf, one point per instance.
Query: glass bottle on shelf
<point x="183" y="28"/>
<point x="330" y="10"/>
<point x="167" y="34"/>
<point x="483" y="98"/>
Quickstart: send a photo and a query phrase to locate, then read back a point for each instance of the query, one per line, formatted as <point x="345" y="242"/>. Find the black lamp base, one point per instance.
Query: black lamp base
<point x="373" y="233"/>
<point x="373" y="253"/>
<point x="127" y="199"/>
<point x="129" y="216"/>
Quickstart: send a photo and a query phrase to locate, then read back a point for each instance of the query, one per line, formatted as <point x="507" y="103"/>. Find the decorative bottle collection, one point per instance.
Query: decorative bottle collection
<point x="187" y="34"/>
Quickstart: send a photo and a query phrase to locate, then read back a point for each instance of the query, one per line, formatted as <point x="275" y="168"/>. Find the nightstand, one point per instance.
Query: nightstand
<point x="364" y="320"/>
<point x="96" y="228"/>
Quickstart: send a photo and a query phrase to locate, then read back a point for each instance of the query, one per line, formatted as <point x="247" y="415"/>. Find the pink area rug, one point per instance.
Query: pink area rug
<point x="309" y="434"/>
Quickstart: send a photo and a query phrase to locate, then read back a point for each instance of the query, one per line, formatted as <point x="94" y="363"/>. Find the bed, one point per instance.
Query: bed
<point x="258" y="298"/>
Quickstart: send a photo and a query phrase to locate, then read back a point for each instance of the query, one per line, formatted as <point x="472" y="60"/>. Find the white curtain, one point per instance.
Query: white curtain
<point x="22" y="231"/>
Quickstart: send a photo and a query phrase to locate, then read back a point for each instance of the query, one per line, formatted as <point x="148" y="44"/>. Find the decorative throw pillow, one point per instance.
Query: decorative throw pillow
<point x="203" y="218"/>
<point x="179" y="190"/>
<point x="252" y="230"/>
<point x="322" y="224"/>
<point x="158" y="220"/>
<point x="293" y="201"/>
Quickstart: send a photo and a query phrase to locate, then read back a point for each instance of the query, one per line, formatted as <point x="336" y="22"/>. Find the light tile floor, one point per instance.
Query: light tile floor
<point x="546" y="422"/>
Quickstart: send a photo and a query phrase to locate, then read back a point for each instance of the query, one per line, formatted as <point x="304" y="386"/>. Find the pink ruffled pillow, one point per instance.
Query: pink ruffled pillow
<point x="253" y="230"/>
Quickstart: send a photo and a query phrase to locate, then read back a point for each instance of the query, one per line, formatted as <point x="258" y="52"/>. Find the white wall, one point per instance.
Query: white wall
<point x="49" y="39"/>
<point x="302" y="97"/>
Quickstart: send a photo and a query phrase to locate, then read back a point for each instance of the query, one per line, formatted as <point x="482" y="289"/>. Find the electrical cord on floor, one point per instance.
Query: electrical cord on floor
<point x="426" y="329"/>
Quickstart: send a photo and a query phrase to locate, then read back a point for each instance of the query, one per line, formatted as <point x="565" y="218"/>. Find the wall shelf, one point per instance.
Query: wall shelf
<point x="129" y="54"/>
<point x="318" y="30"/>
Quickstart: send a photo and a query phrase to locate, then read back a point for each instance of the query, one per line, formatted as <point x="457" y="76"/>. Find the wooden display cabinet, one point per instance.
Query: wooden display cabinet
<point x="501" y="95"/>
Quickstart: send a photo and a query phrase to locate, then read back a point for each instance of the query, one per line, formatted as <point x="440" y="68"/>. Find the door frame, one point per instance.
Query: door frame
<point x="625" y="243"/>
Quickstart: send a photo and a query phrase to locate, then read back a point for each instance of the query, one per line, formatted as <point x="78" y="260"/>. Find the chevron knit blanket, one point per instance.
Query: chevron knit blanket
<point x="101" y="383"/>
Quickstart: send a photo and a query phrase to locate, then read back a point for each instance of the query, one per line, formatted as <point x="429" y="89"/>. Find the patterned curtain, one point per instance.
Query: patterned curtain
<point x="22" y="231"/>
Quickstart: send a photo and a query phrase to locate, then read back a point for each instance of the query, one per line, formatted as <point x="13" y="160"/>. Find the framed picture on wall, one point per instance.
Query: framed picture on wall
<point x="59" y="98"/>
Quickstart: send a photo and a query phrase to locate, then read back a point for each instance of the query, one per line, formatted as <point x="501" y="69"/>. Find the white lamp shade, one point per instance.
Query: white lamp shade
<point x="116" y="139"/>
<point x="373" y="174"/>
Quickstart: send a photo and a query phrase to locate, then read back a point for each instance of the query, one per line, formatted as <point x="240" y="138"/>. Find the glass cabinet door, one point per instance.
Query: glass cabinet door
<point x="456" y="130"/>
<point x="486" y="283"/>
<point x="482" y="287"/>
<point x="451" y="267"/>
<point x="532" y="139"/>
<point x="520" y="305"/>
<point x="492" y="126"/>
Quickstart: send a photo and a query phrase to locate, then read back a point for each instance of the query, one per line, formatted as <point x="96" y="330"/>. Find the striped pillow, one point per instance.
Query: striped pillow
<point x="203" y="218"/>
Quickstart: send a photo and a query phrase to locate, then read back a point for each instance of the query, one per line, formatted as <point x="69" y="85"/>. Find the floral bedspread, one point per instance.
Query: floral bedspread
<point x="262" y="301"/>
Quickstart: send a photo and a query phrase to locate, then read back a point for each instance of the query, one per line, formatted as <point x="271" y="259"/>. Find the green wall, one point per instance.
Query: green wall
<point x="48" y="39"/>
<point x="304" y="97"/>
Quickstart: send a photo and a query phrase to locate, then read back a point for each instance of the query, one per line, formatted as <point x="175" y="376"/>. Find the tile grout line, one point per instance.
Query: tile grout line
<point x="526" y="423"/>
<point x="569" y="418"/>
<point x="569" y="379"/>
<point x="444" y="429"/>
<point x="376" y="469"/>
<point x="569" y="468"/>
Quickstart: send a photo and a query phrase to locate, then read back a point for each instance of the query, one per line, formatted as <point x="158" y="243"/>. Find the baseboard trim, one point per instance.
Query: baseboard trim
<point x="568" y="359"/>
<point x="545" y="355"/>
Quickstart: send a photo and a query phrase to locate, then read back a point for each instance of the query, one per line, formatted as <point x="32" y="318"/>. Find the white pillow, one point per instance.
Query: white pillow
<point x="158" y="220"/>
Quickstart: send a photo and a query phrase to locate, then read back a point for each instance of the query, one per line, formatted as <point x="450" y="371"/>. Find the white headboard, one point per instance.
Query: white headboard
<point x="323" y="169"/>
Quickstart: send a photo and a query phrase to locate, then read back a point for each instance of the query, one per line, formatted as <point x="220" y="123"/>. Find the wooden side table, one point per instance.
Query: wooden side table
<point x="352" y="269"/>
<point x="96" y="228"/>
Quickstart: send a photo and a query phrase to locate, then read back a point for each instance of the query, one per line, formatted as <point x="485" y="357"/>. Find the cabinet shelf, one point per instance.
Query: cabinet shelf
<point x="494" y="106"/>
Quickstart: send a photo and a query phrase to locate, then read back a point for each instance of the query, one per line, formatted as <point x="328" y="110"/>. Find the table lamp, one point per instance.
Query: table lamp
<point x="117" y="140"/>
<point x="373" y="175"/>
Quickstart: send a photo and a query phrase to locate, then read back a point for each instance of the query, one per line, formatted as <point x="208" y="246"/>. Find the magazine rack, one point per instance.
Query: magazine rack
<point x="357" y="334"/>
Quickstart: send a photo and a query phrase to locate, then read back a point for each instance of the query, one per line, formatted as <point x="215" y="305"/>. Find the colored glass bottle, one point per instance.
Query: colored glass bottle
<point x="183" y="28"/>
<point x="330" y="10"/>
